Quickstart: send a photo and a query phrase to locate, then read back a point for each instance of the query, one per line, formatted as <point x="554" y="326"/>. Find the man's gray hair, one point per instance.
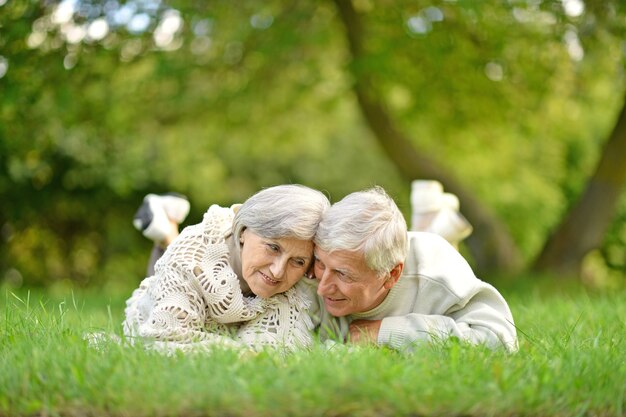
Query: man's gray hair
<point x="282" y="211"/>
<point x="368" y="221"/>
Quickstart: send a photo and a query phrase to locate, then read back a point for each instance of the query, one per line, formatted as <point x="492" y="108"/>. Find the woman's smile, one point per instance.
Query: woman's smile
<point x="268" y="280"/>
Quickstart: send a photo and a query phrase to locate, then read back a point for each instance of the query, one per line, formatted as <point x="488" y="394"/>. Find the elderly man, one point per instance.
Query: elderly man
<point x="379" y="293"/>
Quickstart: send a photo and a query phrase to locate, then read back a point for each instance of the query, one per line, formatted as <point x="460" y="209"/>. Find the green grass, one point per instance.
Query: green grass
<point x="571" y="362"/>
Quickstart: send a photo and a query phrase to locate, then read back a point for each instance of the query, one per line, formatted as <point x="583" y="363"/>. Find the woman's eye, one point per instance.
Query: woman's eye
<point x="299" y="263"/>
<point x="272" y="247"/>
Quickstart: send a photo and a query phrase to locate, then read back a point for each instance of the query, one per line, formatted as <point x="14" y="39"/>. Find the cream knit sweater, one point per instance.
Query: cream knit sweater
<point x="194" y="299"/>
<point x="437" y="297"/>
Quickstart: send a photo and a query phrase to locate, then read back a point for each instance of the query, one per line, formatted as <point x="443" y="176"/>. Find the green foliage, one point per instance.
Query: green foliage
<point x="571" y="362"/>
<point x="257" y="94"/>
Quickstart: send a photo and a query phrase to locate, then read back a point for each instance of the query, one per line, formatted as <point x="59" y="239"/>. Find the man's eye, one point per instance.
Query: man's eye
<point x="344" y="277"/>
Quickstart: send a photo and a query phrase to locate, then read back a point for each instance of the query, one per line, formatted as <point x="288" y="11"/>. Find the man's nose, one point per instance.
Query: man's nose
<point x="325" y="283"/>
<point x="278" y="267"/>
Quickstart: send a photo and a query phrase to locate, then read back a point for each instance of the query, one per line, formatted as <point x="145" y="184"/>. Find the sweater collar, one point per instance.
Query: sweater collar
<point x="381" y="308"/>
<point x="234" y="250"/>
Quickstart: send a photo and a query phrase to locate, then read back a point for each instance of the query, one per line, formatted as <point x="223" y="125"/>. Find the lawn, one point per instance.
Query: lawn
<point x="572" y="362"/>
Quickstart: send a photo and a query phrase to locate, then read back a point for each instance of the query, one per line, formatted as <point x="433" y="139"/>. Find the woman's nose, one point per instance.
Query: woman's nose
<point x="278" y="267"/>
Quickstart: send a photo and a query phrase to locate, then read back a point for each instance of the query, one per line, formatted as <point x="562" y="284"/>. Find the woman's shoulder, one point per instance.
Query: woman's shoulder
<point x="216" y="212"/>
<point x="218" y="221"/>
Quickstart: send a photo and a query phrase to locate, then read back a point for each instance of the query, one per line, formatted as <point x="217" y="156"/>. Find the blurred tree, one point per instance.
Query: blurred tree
<point x="491" y="245"/>
<point x="103" y="101"/>
<point x="584" y="226"/>
<point x="494" y="249"/>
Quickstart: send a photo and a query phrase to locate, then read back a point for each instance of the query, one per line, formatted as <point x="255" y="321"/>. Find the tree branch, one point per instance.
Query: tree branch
<point x="491" y="245"/>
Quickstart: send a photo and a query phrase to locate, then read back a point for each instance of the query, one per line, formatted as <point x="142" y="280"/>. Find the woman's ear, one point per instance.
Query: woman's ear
<point x="242" y="236"/>
<point x="394" y="276"/>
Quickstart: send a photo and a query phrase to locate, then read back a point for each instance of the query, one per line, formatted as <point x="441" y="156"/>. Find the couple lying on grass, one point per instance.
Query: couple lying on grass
<point x="286" y="267"/>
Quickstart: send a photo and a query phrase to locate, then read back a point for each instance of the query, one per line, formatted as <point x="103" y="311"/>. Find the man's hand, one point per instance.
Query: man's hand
<point x="364" y="332"/>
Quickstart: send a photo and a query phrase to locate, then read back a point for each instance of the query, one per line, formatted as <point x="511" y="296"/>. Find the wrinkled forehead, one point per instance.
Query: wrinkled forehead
<point x="296" y="247"/>
<point x="342" y="259"/>
<point x="349" y="263"/>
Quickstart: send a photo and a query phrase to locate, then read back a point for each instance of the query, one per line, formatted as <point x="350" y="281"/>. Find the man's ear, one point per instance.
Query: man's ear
<point x="394" y="276"/>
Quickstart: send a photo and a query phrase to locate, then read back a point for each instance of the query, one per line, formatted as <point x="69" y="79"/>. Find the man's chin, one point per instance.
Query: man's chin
<point x="335" y="308"/>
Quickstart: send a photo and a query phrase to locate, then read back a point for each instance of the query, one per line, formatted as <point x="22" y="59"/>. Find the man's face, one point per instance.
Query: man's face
<point x="347" y="284"/>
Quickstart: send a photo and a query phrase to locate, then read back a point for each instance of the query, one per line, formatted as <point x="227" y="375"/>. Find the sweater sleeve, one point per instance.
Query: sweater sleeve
<point x="169" y="308"/>
<point x="480" y="318"/>
<point x="166" y="311"/>
<point x="194" y="296"/>
<point x="449" y="301"/>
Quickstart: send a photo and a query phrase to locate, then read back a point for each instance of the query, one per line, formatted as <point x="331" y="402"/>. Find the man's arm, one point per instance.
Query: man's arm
<point x="483" y="318"/>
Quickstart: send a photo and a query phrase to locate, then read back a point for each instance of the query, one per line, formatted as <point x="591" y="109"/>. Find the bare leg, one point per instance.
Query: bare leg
<point x="159" y="248"/>
<point x="158" y="219"/>
<point x="157" y="252"/>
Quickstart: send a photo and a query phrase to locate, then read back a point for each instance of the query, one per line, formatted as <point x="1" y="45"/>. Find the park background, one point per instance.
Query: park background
<point x="516" y="106"/>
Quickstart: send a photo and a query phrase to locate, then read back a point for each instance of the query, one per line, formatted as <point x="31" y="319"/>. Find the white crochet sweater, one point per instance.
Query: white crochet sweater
<point x="194" y="300"/>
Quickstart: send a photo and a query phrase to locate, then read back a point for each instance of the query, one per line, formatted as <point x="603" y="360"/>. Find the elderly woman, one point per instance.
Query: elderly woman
<point x="234" y="278"/>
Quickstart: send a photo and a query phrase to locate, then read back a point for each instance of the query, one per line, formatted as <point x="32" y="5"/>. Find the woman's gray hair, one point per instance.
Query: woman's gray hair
<point x="282" y="211"/>
<point x="367" y="221"/>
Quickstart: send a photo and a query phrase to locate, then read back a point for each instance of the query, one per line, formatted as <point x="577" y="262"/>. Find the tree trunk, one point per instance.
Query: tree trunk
<point x="585" y="225"/>
<point x="490" y="245"/>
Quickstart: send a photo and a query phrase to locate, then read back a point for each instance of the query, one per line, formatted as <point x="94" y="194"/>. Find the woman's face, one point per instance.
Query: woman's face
<point x="272" y="266"/>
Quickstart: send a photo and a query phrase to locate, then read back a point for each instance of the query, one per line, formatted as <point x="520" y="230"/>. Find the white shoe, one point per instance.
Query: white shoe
<point x="451" y="225"/>
<point x="426" y="196"/>
<point x="437" y="212"/>
<point x="426" y="201"/>
<point x="157" y="212"/>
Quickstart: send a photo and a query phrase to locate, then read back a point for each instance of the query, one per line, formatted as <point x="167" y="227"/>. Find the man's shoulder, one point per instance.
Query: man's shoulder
<point x="427" y="250"/>
<point x="433" y="261"/>
<point x="425" y="237"/>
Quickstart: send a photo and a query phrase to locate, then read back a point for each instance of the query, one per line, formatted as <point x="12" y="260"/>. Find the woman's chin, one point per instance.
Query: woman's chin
<point x="264" y="291"/>
<point x="264" y="287"/>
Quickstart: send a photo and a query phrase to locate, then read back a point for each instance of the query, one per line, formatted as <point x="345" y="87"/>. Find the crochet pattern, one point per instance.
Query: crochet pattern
<point x="194" y="299"/>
